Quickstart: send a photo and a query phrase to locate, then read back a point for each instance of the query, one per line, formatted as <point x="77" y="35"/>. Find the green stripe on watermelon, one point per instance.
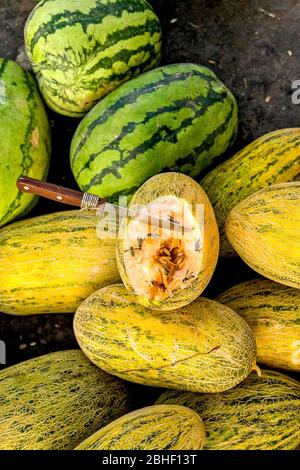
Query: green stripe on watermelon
<point x="96" y="15"/>
<point x="25" y="137"/>
<point x="131" y="92"/>
<point x="3" y="65"/>
<point x="178" y="117"/>
<point x="107" y="44"/>
<point x="25" y="147"/>
<point x="157" y="137"/>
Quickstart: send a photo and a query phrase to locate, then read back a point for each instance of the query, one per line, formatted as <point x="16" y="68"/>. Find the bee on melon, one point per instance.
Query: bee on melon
<point x="166" y="266"/>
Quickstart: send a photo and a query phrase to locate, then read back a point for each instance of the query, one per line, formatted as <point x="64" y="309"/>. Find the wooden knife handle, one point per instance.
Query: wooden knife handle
<point x="57" y="193"/>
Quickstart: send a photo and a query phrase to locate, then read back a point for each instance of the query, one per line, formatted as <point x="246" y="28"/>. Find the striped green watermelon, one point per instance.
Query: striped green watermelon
<point x="178" y="117"/>
<point x="24" y="137"/>
<point x="83" y="49"/>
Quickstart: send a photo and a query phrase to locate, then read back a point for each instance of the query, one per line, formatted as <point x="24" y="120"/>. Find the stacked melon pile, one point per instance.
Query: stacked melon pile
<point x="149" y="135"/>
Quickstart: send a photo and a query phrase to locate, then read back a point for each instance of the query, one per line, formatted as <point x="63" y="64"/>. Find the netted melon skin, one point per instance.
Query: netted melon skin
<point x="203" y="347"/>
<point x="264" y="229"/>
<point x="273" y="312"/>
<point x="52" y="262"/>
<point x="55" y="401"/>
<point x="270" y="159"/>
<point x="158" y="427"/>
<point x="261" y="413"/>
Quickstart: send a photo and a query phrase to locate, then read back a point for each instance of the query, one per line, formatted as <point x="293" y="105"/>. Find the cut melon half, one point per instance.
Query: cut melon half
<point x="168" y="267"/>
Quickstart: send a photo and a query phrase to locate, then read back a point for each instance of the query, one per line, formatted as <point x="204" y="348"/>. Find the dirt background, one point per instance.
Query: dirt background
<point x="253" y="46"/>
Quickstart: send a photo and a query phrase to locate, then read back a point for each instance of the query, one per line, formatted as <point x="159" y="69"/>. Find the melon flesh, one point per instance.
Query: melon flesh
<point x="160" y="260"/>
<point x="162" y="267"/>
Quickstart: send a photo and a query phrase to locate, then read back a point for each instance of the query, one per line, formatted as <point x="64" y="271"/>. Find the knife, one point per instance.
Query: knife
<point x="91" y="201"/>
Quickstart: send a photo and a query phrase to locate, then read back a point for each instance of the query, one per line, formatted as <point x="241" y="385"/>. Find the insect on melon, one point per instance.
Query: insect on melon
<point x="162" y="267"/>
<point x="157" y="427"/>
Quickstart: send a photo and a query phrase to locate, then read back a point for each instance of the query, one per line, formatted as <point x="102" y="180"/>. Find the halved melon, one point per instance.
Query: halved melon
<point x="167" y="266"/>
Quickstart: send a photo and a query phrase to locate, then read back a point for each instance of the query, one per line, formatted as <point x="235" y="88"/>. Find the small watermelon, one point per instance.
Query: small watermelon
<point x="24" y="136"/>
<point x="83" y="49"/>
<point x="178" y="117"/>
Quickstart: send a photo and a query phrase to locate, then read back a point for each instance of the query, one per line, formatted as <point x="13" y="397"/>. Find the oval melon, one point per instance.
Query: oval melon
<point x="54" y="402"/>
<point x="179" y="117"/>
<point x="50" y="263"/>
<point x="158" y="427"/>
<point x="164" y="268"/>
<point x="203" y="347"/>
<point x="264" y="229"/>
<point x="261" y="413"/>
<point x="272" y="158"/>
<point x="273" y="313"/>
<point x="83" y="49"/>
<point x="24" y="136"/>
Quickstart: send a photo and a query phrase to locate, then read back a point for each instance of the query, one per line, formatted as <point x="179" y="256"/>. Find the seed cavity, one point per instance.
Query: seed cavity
<point x="166" y="261"/>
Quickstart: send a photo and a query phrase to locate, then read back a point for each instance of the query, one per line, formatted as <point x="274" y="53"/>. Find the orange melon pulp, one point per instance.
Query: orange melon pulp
<point x="168" y="266"/>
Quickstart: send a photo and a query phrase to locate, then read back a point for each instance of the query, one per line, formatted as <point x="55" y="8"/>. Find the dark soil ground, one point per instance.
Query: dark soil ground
<point x="254" y="47"/>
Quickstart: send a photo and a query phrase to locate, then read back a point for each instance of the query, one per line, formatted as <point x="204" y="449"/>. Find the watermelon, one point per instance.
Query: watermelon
<point x="25" y="138"/>
<point x="261" y="413"/>
<point x="272" y="158"/>
<point x="179" y="117"/>
<point x="82" y="49"/>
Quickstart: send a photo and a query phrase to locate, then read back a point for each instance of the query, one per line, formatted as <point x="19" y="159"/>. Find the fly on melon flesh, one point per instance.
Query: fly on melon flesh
<point x="163" y="267"/>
